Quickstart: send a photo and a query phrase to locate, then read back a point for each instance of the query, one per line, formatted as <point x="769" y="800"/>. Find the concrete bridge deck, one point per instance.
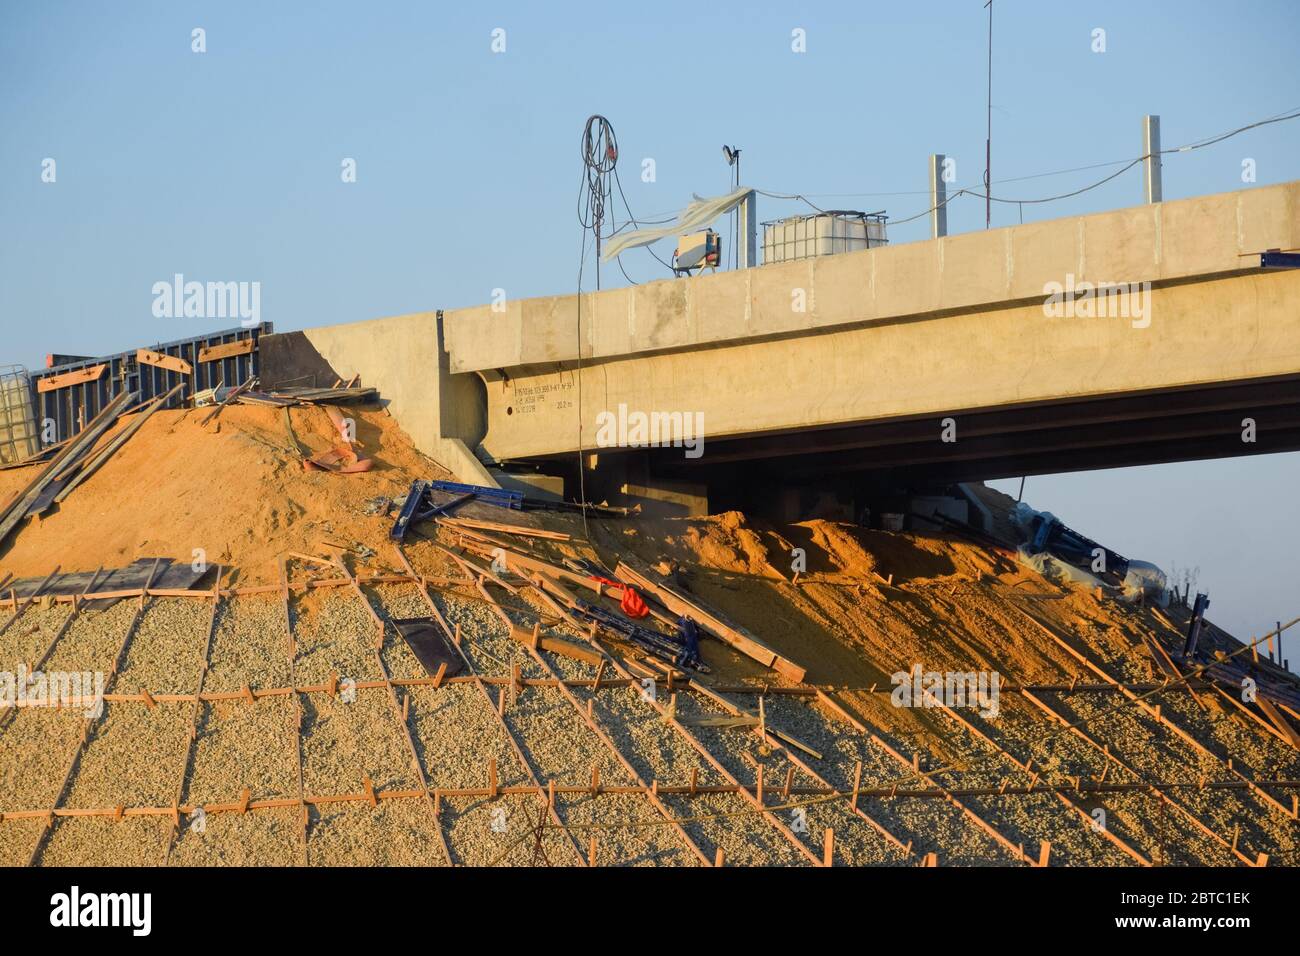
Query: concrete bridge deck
<point x="851" y="363"/>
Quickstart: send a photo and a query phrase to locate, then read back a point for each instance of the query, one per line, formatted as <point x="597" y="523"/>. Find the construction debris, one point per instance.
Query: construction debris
<point x="166" y="575"/>
<point x="380" y="505"/>
<point x="341" y="459"/>
<point x="45" y="454"/>
<point x="518" y="501"/>
<point x="514" y="529"/>
<point x="248" y="394"/>
<point x="212" y="396"/>
<point x="712" y="621"/>
<point x="310" y="396"/>
<point x="230" y="397"/>
<point x="429" y="646"/>
<point x="41" y="490"/>
<point x="417" y="506"/>
<point x="680" y="650"/>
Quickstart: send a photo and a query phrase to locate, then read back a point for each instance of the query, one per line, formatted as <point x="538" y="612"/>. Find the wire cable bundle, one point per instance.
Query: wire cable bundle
<point x="599" y="161"/>
<point x="599" y="152"/>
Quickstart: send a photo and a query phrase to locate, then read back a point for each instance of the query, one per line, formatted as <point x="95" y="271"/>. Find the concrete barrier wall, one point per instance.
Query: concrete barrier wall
<point x="402" y="356"/>
<point x="1203" y="236"/>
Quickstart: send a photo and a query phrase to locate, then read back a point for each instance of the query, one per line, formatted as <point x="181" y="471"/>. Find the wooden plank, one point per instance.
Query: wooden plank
<point x="16" y="510"/>
<point x="738" y="711"/>
<point x="1152" y="712"/>
<point x="235" y="393"/>
<point x="515" y="529"/>
<point x="212" y="353"/>
<point x="35" y="459"/>
<point x="557" y="646"/>
<point x="293" y="439"/>
<point x="533" y="644"/>
<point x="722" y="721"/>
<point x="52" y="382"/>
<point x="117" y="442"/>
<point x="1157" y="789"/>
<point x="1170" y="668"/>
<point x="170" y="362"/>
<point x="1279" y="721"/>
<point x="479" y="682"/>
<point x="733" y="635"/>
<point x="1162" y="659"/>
<point x="523" y="560"/>
<point x="1231" y="696"/>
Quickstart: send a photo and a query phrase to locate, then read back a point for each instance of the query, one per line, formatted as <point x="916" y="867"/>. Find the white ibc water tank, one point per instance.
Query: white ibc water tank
<point x="18" y="436"/>
<point x="822" y="234"/>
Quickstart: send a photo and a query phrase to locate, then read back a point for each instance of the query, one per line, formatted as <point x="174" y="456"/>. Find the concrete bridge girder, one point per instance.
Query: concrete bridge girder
<point x="1232" y="329"/>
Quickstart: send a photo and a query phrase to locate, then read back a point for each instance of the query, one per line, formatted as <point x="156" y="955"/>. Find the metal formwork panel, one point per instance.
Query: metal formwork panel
<point x="72" y="406"/>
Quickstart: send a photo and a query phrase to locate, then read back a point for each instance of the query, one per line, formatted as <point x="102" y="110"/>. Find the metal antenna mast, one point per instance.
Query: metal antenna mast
<point x="988" y="140"/>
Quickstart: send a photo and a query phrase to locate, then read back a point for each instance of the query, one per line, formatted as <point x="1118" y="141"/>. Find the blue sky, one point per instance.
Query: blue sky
<point x="225" y="165"/>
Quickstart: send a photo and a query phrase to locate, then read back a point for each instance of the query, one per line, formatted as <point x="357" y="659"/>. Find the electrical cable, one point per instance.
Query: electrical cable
<point x="582" y="481"/>
<point x="799" y="196"/>
<point x="631" y="218"/>
<point x="1127" y="165"/>
<point x="599" y="152"/>
<point x="926" y="192"/>
<point x="1219" y="137"/>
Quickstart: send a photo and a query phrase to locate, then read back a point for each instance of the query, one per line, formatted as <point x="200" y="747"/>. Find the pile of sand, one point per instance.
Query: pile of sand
<point x="235" y="488"/>
<point x="866" y="604"/>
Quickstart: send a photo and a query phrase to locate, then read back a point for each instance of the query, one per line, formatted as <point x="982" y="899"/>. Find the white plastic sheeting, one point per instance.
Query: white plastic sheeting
<point x="700" y="213"/>
<point x="1054" y="569"/>
<point x="1144" y="581"/>
<point x="1022" y="516"/>
<point x="1147" y="583"/>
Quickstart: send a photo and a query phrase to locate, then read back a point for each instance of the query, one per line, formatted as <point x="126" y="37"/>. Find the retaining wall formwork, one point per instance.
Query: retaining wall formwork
<point x="71" y="406"/>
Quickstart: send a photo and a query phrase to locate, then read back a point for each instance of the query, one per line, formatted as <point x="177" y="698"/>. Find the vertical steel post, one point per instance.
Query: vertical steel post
<point x="747" y="244"/>
<point x="1151" y="191"/>
<point x="938" y="197"/>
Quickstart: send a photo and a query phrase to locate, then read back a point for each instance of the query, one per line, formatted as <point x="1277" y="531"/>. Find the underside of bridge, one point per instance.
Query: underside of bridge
<point x="870" y="460"/>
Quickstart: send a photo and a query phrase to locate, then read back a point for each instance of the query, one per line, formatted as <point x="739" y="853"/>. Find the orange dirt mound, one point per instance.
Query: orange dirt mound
<point x="235" y="488"/>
